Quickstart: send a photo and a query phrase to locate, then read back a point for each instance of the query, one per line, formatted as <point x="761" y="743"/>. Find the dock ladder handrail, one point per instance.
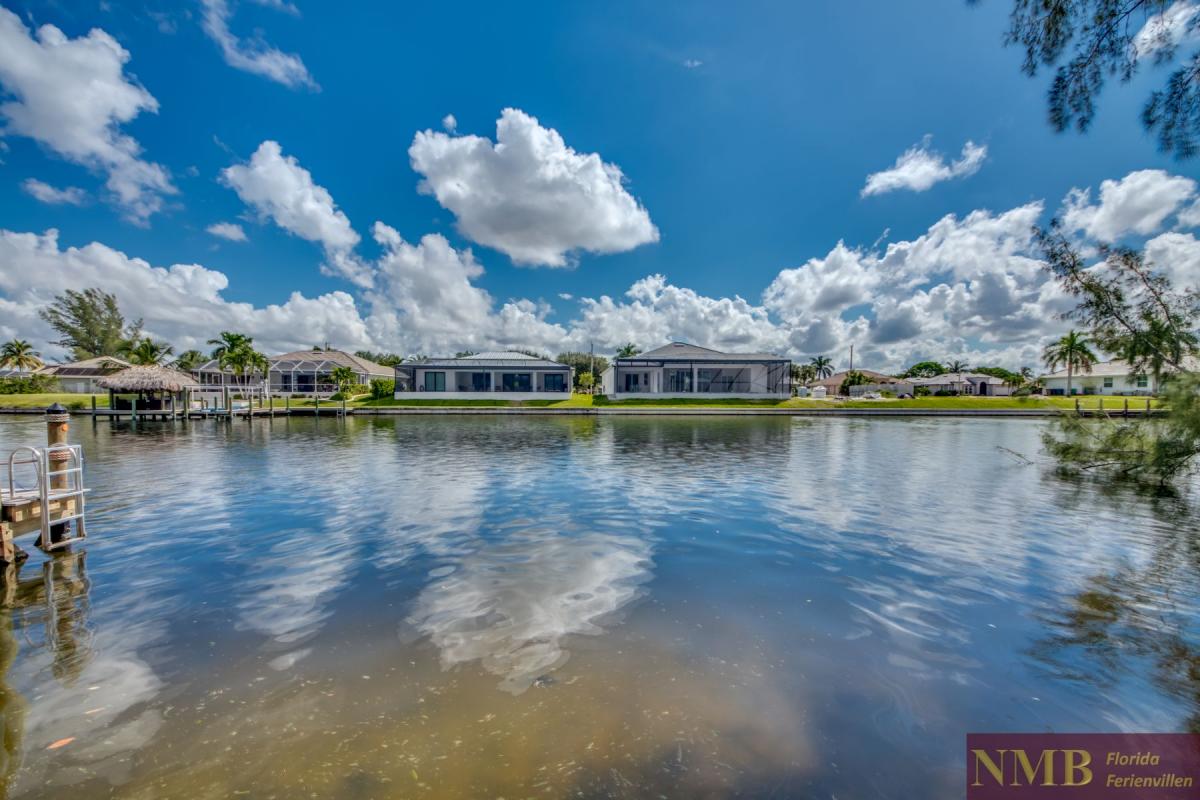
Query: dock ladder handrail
<point x="68" y="467"/>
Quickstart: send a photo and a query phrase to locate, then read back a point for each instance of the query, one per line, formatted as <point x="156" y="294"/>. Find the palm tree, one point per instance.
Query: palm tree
<point x="342" y="377"/>
<point x="957" y="366"/>
<point x="19" y="354"/>
<point x="146" y="351"/>
<point x="243" y="361"/>
<point x="628" y="350"/>
<point x="822" y="366"/>
<point x="189" y="360"/>
<point x="1074" y="351"/>
<point x="228" y="342"/>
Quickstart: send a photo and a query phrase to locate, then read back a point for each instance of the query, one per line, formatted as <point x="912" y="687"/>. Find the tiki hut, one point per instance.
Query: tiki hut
<point x="153" y="388"/>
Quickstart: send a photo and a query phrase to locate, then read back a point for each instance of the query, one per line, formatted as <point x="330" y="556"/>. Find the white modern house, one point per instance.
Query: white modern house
<point x="1106" y="377"/>
<point x="304" y="372"/>
<point x="972" y="383"/>
<point x="81" y="376"/>
<point x="501" y="375"/>
<point x="685" y="370"/>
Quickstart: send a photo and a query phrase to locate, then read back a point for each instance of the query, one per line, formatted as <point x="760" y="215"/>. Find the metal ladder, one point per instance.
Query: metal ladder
<point x="45" y="494"/>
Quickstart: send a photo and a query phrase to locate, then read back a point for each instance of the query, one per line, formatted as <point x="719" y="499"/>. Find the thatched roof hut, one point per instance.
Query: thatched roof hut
<point x="148" y="379"/>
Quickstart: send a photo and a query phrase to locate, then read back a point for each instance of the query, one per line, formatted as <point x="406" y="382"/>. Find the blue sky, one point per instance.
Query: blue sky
<point x="744" y="134"/>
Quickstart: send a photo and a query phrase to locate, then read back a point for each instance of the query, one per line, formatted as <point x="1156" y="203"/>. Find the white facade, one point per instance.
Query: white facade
<point x="484" y="376"/>
<point x="682" y="370"/>
<point x="1107" y="377"/>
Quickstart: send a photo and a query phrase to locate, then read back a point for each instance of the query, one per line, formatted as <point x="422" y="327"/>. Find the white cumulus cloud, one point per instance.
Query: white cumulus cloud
<point x="278" y="188"/>
<point x="52" y="195"/>
<point x="1139" y="204"/>
<point x="1165" y="31"/>
<point x="182" y="303"/>
<point x="72" y="96"/>
<point x="919" y="168"/>
<point x="254" y="55"/>
<point x="528" y="194"/>
<point x="227" y="230"/>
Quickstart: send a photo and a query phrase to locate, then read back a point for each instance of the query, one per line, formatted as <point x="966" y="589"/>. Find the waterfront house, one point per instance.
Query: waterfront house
<point x="501" y="375"/>
<point x="80" y="377"/>
<point x="303" y="372"/>
<point x="1107" y="377"/>
<point x="965" y="383"/>
<point x="686" y="370"/>
<point x="880" y="382"/>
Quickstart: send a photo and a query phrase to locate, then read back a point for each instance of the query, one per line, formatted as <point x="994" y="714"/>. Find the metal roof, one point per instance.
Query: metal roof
<point x="682" y="351"/>
<point x="496" y="359"/>
<point x="1114" y="368"/>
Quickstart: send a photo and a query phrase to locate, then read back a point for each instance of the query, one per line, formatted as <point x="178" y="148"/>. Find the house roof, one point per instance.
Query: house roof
<point x="682" y="351"/>
<point x="496" y="358"/>
<point x="835" y="380"/>
<point x="101" y="365"/>
<point x="949" y="378"/>
<point x="311" y="360"/>
<point x="149" y="379"/>
<point x="1114" y="368"/>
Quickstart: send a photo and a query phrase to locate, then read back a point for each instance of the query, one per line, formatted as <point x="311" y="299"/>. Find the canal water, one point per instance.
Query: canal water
<point x="485" y="607"/>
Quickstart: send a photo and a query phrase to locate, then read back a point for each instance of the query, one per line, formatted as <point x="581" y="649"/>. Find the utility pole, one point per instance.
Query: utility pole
<point x="592" y="350"/>
<point x="851" y="358"/>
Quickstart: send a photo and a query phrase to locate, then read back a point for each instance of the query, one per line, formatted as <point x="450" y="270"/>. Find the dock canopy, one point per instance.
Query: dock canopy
<point x="149" y="379"/>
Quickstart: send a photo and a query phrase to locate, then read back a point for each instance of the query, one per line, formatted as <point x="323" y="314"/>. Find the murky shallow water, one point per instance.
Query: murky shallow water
<point x="551" y="607"/>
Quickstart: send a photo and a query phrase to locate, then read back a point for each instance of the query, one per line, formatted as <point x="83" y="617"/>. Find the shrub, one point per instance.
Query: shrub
<point x="921" y="391"/>
<point x="945" y="393"/>
<point x="28" y="384"/>
<point x="382" y="389"/>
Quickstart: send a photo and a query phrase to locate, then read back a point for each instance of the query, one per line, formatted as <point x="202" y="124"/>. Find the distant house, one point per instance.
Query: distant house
<point x="877" y="382"/>
<point x="681" y="370"/>
<point x="1106" y="377"/>
<point x="80" y="376"/>
<point x="968" y="383"/>
<point x="304" y="372"/>
<point x="500" y="375"/>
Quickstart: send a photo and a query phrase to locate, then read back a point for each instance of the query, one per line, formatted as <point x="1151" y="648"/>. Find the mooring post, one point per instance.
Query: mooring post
<point x="57" y="424"/>
<point x="1076" y="405"/>
<point x="1125" y="413"/>
<point x="133" y="409"/>
<point x="287" y="404"/>
<point x="343" y="407"/>
<point x="93" y="405"/>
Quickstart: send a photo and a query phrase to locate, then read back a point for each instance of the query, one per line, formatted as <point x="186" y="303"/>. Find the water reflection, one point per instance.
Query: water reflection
<point x="1136" y="620"/>
<point x="511" y="604"/>
<point x="587" y="607"/>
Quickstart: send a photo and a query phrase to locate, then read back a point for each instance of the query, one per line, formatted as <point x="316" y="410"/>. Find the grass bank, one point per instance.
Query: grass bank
<point x="68" y="399"/>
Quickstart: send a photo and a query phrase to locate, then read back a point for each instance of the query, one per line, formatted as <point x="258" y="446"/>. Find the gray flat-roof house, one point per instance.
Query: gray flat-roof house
<point x="499" y="376"/>
<point x="304" y="372"/>
<point x="682" y="370"/>
<point x="81" y="376"/>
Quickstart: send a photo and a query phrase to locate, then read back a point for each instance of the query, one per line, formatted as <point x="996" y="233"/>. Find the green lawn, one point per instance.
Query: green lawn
<point x="70" y="400"/>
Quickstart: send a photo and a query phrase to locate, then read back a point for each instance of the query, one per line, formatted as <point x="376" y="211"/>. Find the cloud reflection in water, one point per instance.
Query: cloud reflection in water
<point x="511" y="604"/>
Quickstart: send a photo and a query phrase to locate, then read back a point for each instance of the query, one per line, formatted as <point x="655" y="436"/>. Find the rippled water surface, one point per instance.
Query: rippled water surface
<point x="551" y="607"/>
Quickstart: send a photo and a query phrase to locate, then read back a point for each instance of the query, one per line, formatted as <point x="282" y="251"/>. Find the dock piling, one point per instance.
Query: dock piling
<point x="57" y="424"/>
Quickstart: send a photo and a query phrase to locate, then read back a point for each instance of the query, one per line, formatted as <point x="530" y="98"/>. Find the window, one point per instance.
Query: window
<point x="554" y="382"/>
<point x="631" y="381"/>
<point x="435" y="381"/>
<point x="1108" y="383"/>
<point x="516" y="381"/>
<point x="481" y="381"/>
<point x="1142" y="381"/>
